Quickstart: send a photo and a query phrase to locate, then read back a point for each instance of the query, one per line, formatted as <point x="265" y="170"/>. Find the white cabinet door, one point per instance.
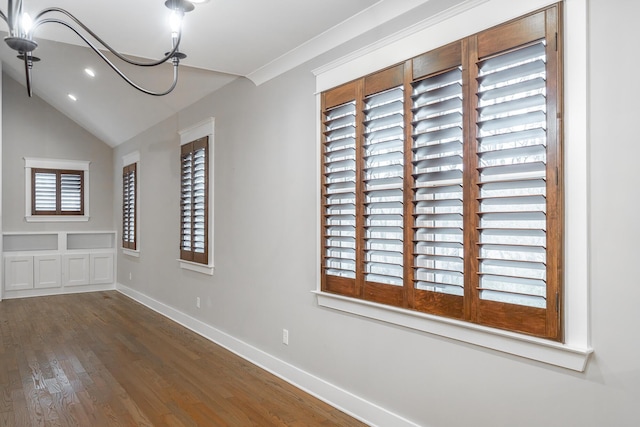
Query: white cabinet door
<point x="101" y="268"/>
<point x="18" y="273"/>
<point x="46" y="271"/>
<point x="76" y="269"/>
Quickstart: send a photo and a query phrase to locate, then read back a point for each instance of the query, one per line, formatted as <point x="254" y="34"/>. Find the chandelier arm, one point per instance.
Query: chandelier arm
<point x="38" y="21"/>
<point x="112" y="65"/>
<point x="4" y="18"/>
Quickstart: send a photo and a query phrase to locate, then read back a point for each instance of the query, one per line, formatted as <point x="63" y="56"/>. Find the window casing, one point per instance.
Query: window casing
<point x="194" y="201"/>
<point x="57" y="192"/>
<point x="129" y="206"/>
<point x="441" y="187"/>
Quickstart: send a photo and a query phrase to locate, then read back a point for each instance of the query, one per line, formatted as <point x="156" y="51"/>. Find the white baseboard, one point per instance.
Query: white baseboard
<point x="28" y="293"/>
<point x="337" y="397"/>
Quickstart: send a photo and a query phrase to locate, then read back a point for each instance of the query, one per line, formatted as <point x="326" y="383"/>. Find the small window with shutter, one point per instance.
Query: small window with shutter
<point x="194" y="201"/>
<point x="129" y="206"/>
<point x="57" y="192"/>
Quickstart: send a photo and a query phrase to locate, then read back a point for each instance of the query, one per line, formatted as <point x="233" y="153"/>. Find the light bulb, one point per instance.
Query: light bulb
<point x="175" y="22"/>
<point x="26" y="23"/>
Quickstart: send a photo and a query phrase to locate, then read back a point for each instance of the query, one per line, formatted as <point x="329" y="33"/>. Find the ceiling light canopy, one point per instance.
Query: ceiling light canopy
<point x="22" y="29"/>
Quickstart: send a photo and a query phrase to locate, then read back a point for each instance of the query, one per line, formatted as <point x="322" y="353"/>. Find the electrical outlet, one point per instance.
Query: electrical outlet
<point x="285" y="337"/>
<point x="197" y="302"/>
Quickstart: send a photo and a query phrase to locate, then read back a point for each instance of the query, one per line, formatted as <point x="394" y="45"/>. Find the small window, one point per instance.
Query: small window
<point x="194" y="201"/>
<point x="129" y="206"/>
<point x="57" y="192"/>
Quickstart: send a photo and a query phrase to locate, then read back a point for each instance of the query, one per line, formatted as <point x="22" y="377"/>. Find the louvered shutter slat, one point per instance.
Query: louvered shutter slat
<point x="185" y="201"/>
<point x="437" y="157"/>
<point x="45" y="192"/>
<point x="70" y="192"/>
<point x="383" y="186"/>
<point x="512" y="164"/>
<point x="340" y="191"/>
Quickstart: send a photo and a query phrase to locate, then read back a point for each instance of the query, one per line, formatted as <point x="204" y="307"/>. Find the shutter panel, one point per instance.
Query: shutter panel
<point x="185" y="203"/>
<point x="71" y="193"/>
<point x="194" y="211"/>
<point x="57" y="192"/>
<point x="199" y="200"/>
<point x="512" y="169"/>
<point x="383" y="186"/>
<point x="44" y="197"/>
<point x="437" y="156"/>
<point x="129" y="187"/>
<point x="340" y="191"/>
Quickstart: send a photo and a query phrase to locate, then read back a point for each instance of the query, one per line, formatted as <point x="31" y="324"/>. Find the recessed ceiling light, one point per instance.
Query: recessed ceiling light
<point x="89" y="72"/>
<point x="72" y="97"/>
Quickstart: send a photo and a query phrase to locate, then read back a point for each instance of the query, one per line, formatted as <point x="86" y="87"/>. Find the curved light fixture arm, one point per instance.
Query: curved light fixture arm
<point x="175" y="61"/>
<point x="38" y="21"/>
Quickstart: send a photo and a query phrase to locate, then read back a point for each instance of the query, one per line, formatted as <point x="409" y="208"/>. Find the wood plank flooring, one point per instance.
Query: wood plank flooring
<point x="101" y="359"/>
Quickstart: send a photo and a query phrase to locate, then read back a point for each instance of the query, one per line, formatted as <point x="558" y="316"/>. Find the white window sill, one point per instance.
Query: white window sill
<point x="131" y="252"/>
<point x="558" y="354"/>
<point x="56" y="218"/>
<point x="198" y="268"/>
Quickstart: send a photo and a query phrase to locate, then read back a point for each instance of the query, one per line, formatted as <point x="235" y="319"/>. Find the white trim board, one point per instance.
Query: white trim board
<point x="335" y="396"/>
<point x="81" y="289"/>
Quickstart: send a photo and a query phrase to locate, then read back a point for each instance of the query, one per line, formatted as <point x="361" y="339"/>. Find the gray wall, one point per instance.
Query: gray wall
<point x="33" y="128"/>
<point x="265" y="257"/>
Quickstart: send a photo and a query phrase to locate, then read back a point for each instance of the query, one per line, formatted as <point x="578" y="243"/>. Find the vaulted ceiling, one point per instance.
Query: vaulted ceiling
<point x="224" y="40"/>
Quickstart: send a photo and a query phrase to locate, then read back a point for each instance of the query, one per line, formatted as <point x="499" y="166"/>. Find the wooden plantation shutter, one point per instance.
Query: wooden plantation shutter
<point x="383" y="186"/>
<point x="57" y="192"/>
<point x="518" y="185"/>
<point x="339" y="189"/>
<point x="45" y="193"/>
<point x="442" y="187"/>
<point x="129" y="191"/>
<point x="194" y="211"/>
<point x="437" y="160"/>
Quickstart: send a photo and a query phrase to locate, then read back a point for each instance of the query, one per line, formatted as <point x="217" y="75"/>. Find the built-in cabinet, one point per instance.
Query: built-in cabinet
<point x="57" y="262"/>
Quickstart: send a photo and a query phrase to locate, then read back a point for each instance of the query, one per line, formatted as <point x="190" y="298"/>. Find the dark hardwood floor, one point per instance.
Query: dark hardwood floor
<point x="101" y="359"/>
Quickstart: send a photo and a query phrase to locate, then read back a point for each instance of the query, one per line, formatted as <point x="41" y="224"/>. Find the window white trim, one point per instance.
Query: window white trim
<point x="575" y="351"/>
<point x="129" y="159"/>
<point x="79" y="165"/>
<point x="198" y="268"/>
<point x="197" y="131"/>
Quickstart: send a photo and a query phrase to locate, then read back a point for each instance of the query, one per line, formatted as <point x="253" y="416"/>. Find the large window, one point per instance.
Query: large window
<point x="194" y="201"/>
<point x="129" y="206"/>
<point x="442" y="181"/>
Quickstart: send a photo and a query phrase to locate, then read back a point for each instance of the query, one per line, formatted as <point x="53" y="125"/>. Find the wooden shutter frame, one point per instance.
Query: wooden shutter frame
<point x="467" y="52"/>
<point x="544" y="24"/>
<point x="186" y="149"/>
<point x="58" y="173"/>
<point x="126" y="171"/>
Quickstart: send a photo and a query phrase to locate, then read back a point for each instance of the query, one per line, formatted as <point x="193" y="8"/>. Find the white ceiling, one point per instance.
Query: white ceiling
<point x="224" y="39"/>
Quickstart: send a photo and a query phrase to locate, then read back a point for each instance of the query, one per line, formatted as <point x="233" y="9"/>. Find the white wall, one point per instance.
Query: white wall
<point x="33" y="128"/>
<point x="266" y="243"/>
